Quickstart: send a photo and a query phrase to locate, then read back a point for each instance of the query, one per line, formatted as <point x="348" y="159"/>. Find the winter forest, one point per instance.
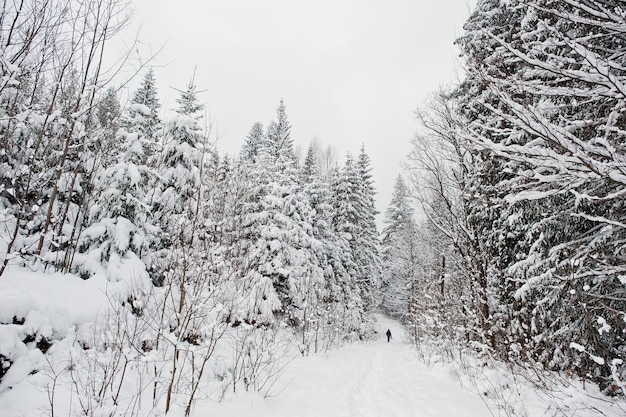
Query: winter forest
<point x="142" y="271"/>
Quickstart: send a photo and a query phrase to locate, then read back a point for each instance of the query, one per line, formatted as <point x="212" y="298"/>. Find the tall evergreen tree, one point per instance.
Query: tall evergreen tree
<point x="340" y="308"/>
<point x="254" y="144"/>
<point x="121" y="227"/>
<point x="367" y="255"/>
<point x="178" y="193"/>
<point x="280" y="142"/>
<point x="277" y="243"/>
<point x="354" y="219"/>
<point x="399" y="253"/>
<point x="294" y="269"/>
<point x="142" y="113"/>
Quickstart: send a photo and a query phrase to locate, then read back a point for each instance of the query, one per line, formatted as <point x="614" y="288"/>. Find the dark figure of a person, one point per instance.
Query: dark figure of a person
<point x="388" y="335"/>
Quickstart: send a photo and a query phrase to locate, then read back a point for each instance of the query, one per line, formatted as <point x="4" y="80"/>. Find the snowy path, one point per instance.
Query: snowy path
<point x="365" y="380"/>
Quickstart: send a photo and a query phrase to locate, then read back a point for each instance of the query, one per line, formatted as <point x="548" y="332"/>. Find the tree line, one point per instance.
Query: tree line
<point x="519" y="172"/>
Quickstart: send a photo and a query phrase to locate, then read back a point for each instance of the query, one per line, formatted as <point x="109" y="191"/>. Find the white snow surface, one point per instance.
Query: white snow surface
<point x="367" y="379"/>
<point x="362" y="379"/>
<point x="59" y="297"/>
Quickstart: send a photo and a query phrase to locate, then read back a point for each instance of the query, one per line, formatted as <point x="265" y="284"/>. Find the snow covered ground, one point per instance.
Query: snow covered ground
<point x="367" y="379"/>
<point x="380" y="379"/>
<point x="362" y="379"/>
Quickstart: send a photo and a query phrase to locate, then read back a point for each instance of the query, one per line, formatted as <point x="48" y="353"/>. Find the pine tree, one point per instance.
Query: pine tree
<point x="280" y="142"/>
<point x="339" y="304"/>
<point x="142" y="113"/>
<point x="274" y="248"/>
<point x="177" y="196"/>
<point x="292" y="265"/>
<point x="367" y="255"/>
<point x="354" y="219"/>
<point x="120" y="228"/>
<point x="254" y="144"/>
<point x="399" y="254"/>
<point x="249" y="251"/>
<point x="181" y="165"/>
<point x="345" y="189"/>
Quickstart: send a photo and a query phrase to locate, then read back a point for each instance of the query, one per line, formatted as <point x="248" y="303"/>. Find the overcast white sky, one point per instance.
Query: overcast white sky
<point x="351" y="72"/>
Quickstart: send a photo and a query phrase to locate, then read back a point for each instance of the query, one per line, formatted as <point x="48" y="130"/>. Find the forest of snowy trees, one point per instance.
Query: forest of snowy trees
<point x="520" y="176"/>
<point x="506" y="236"/>
<point x="208" y="246"/>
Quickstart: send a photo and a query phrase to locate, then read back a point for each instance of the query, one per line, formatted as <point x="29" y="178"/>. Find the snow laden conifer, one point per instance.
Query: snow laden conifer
<point x="399" y="253"/>
<point x="189" y="307"/>
<point x="367" y="255"/>
<point x="254" y="144"/>
<point x="248" y="253"/>
<point x="278" y="246"/>
<point x="339" y="308"/>
<point x="125" y="186"/>
<point x="142" y="113"/>
<point x="354" y="220"/>
<point x="288" y="228"/>
<point x="118" y="237"/>
<point x="180" y="163"/>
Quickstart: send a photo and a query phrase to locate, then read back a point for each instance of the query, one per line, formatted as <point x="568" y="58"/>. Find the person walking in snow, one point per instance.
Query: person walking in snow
<point x="388" y="335"/>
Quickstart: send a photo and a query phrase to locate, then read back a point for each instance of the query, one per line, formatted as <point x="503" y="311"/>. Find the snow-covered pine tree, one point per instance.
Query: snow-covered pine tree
<point x="367" y="255"/>
<point x="277" y="250"/>
<point x="189" y="309"/>
<point x="142" y="113"/>
<point x="142" y="124"/>
<point x="248" y="253"/>
<point x="260" y="249"/>
<point x="280" y="144"/>
<point x="288" y="246"/>
<point x="116" y="237"/>
<point x="120" y="229"/>
<point x="354" y="220"/>
<point x="399" y="253"/>
<point x="345" y="189"/>
<point x="339" y="308"/>
<point x="177" y="197"/>
<point x="253" y="144"/>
